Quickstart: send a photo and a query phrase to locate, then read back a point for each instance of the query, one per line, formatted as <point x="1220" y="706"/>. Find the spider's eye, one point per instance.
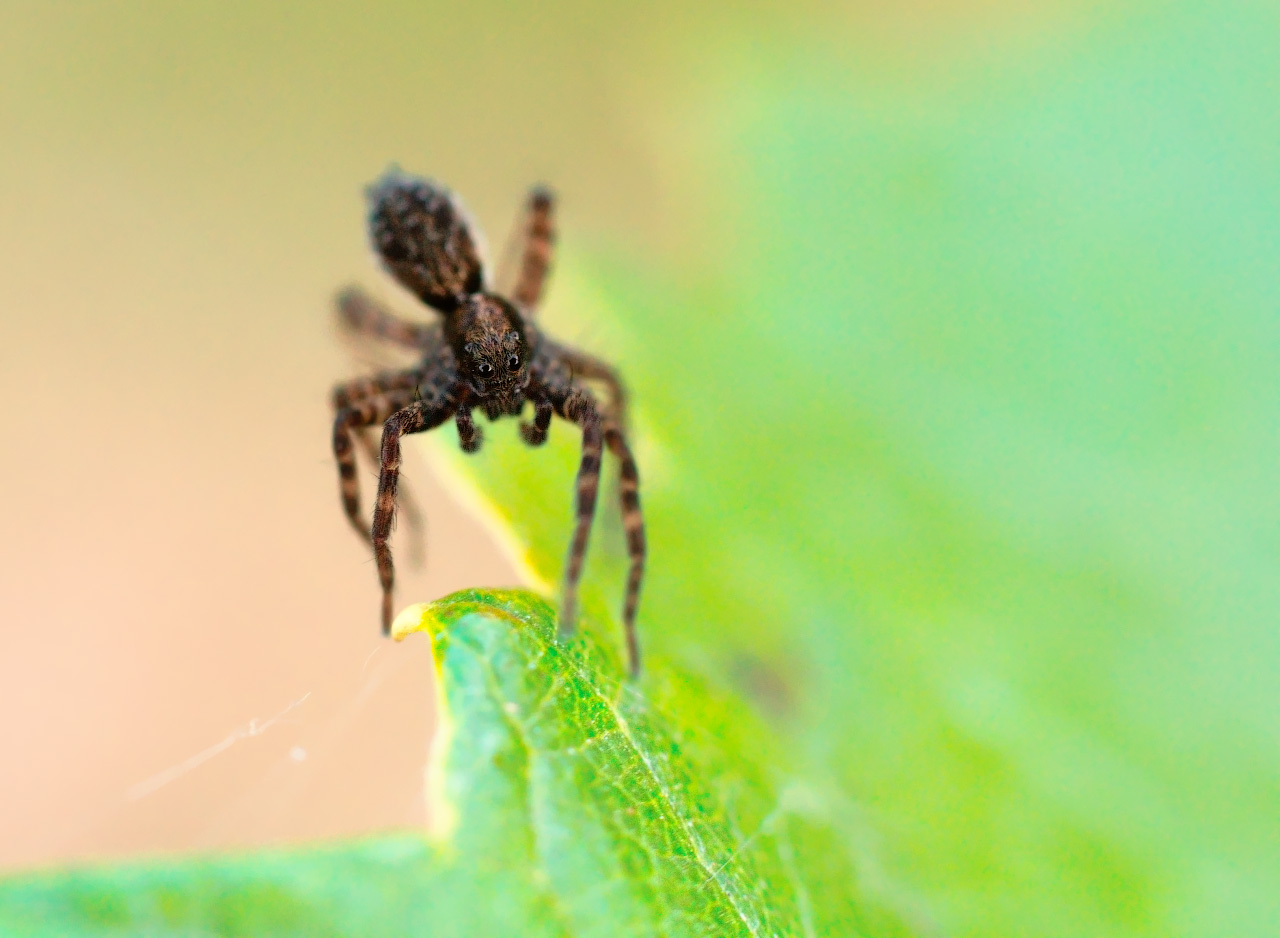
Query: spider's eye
<point x="484" y="368"/>
<point x="513" y="363"/>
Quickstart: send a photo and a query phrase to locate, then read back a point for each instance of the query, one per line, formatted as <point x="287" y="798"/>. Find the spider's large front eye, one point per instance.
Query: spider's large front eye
<point x="484" y="368"/>
<point x="513" y="363"/>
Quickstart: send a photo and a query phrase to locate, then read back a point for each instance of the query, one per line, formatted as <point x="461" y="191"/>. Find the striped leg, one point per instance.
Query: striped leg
<point x="633" y="523"/>
<point x="349" y="422"/>
<point x="344" y="395"/>
<point x="415" y="521"/>
<point x="587" y="366"/>
<point x="416" y="417"/>
<point x="580" y="407"/>
<point x="361" y="313"/>
<point x="537" y="239"/>
<point x="431" y="376"/>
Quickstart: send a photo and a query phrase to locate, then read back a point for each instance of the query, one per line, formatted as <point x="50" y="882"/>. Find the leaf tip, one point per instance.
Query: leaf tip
<point x="441" y="814"/>
<point x="420" y="617"/>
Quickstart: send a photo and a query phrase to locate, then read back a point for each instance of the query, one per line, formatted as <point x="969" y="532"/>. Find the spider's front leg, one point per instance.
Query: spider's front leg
<point x="582" y="365"/>
<point x="633" y="524"/>
<point x="580" y="407"/>
<point x="419" y="416"/>
<point x="410" y="511"/>
<point x="350" y="419"/>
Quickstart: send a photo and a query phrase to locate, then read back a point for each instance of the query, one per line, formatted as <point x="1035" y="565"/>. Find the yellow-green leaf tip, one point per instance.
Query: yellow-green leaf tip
<point x="420" y="617"/>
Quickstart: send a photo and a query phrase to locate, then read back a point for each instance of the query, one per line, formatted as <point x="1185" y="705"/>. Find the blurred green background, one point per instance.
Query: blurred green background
<point x="954" y="335"/>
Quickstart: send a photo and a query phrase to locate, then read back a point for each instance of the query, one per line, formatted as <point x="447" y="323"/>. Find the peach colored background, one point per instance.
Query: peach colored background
<point x="180" y="195"/>
<point x="181" y="191"/>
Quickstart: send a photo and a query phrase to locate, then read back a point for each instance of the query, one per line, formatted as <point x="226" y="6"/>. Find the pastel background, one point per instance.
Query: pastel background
<point x="954" y="330"/>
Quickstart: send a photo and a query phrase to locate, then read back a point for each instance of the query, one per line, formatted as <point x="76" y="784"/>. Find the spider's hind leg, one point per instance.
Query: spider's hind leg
<point x="524" y="277"/>
<point x="361" y="314"/>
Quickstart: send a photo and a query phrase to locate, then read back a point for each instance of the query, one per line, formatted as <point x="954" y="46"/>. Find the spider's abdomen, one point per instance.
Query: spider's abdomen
<point x="424" y="237"/>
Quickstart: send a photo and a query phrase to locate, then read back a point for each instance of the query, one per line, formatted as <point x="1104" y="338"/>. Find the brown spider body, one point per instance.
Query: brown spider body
<point x="488" y="337"/>
<point x="485" y="354"/>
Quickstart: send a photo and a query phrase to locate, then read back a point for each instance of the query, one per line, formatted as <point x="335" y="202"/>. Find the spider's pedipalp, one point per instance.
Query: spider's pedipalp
<point x="416" y="417"/>
<point x="424" y="237"/>
<point x="535" y="433"/>
<point x="469" y="435"/>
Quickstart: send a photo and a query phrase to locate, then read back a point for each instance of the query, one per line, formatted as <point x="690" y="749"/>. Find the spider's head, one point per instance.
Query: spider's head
<point x="488" y="337"/>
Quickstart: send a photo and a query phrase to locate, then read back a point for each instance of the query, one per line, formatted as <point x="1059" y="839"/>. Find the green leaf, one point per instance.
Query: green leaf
<point x="571" y="803"/>
<point x="957" y="415"/>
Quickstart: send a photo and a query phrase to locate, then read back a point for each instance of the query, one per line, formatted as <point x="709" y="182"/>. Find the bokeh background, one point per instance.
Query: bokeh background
<point x="955" y="336"/>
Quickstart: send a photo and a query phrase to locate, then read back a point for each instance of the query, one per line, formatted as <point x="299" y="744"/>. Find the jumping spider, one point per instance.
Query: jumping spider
<point x="483" y="353"/>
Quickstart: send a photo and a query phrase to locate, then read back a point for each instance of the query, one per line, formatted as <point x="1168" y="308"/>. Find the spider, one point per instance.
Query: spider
<point x="482" y="353"/>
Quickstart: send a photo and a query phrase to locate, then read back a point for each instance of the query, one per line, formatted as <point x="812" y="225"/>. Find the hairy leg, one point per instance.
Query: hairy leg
<point x="579" y="407"/>
<point x="431" y="379"/>
<point x="357" y="389"/>
<point x="361" y="313"/>
<point x="633" y="524"/>
<point x="415" y="520"/>
<point x="536" y="238"/>
<point x="348" y="422"/>
<point x="581" y="365"/>
<point x="415" y="418"/>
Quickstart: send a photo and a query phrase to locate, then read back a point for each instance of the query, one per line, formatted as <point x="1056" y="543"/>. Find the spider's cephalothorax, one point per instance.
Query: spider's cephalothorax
<point x="488" y="340"/>
<point x="485" y="354"/>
